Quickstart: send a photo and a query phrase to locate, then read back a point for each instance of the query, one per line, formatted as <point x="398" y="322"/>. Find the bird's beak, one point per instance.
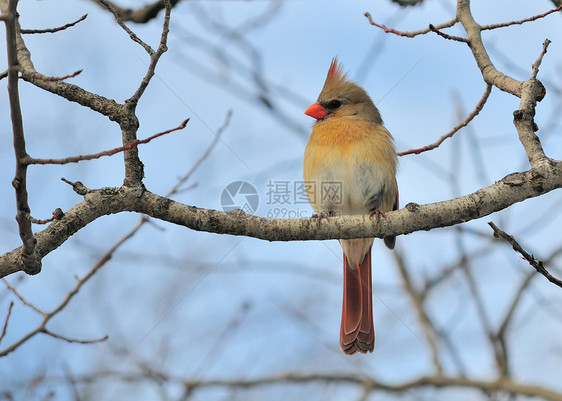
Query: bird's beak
<point x="316" y="111"/>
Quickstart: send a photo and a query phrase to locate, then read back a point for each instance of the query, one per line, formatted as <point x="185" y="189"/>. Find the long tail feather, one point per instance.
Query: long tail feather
<point x="357" y="332"/>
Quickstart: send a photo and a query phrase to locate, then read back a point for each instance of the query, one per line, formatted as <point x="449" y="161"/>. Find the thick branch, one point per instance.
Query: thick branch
<point x="511" y="189"/>
<point x="28" y="259"/>
<point x="489" y="72"/>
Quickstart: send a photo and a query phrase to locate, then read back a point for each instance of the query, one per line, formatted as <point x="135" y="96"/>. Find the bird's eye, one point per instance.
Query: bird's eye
<point x="333" y="104"/>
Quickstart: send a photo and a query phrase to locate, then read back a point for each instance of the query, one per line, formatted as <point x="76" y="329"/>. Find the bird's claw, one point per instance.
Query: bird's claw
<point x="322" y="215"/>
<point x="378" y="213"/>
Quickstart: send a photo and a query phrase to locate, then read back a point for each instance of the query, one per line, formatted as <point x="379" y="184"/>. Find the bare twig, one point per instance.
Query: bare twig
<point x="538" y="62"/>
<point x="502" y="330"/>
<point x="386" y="29"/>
<point x="53" y="30"/>
<point x="154" y="56"/>
<point x="367" y="383"/>
<point x="57" y="214"/>
<point x="417" y="299"/>
<point x="72" y="383"/>
<point x="537" y="264"/>
<point x="499" y="351"/>
<point x="204" y="156"/>
<point x="75" y="340"/>
<point x="110" y="152"/>
<point x="77" y="186"/>
<point x="6" y="321"/>
<point x="494" y="26"/>
<point x="47" y="316"/>
<point x="460" y="125"/>
<point x="229" y="330"/>
<point x="261" y="91"/>
<point x="21" y="298"/>
<point x="413" y="33"/>
<point x="110" y="7"/>
<point x="447" y="36"/>
<point x="40" y="77"/>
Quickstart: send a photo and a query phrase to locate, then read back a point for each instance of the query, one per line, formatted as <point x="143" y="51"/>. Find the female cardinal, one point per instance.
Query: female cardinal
<point x="350" y="151"/>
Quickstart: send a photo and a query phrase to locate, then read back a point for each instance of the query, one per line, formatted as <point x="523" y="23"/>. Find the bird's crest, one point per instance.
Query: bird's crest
<point x="335" y="73"/>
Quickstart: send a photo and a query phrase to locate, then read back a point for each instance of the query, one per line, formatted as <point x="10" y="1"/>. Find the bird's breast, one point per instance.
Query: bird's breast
<point x="349" y="167"/>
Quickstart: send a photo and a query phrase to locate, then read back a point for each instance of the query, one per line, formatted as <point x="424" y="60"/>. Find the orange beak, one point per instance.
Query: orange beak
<point x="316" y="111"/>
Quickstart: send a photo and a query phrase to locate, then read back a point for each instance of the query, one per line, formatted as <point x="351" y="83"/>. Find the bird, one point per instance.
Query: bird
<point x="349" y="168"/>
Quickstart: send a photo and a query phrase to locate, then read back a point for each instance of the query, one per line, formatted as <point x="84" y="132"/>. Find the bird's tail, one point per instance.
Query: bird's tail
<point x="357" y="333"/>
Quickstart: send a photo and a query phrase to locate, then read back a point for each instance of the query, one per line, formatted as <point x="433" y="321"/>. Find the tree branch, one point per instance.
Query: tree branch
<point x="75" y="340"/>
<point x="424" y="319"/>
<point x="41" y="77"/>
<point x="6" y="321"/>
<point x="369" y="384"/>
<point x="522" y="21"/>
<point x="489" y="72"/>
<point x="73" y="93"/>
<point x="53" y="30"/>
<point x="438" y="381"/>
<point x="134" y="169"/>
<point x="532" y="92"/>
<point x="447" y="36"/>
<point x="28" y="259"/>
<point x="47" y="316"/>
<point x="413" y="33"/>
<point x="511" y="189"/>
<point x="154" y="56"/>
<point x="537" y="264"/>
<point x="391" y="30"/>
<point x="110" y="152"/>
<point x="460" y="125"/>
<point x="515" y="302"/>
<point x="109" y="6"/>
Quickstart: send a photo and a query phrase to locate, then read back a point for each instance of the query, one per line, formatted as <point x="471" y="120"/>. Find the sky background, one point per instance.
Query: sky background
<point x="169" y="297"/>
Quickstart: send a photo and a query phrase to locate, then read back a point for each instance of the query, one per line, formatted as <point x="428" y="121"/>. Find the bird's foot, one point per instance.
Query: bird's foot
<point x="376" y="213"/>
<point x="322" y="215"/>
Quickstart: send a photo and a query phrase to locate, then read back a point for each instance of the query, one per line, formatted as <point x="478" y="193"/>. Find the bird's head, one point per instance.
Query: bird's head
<point x="341" y="97"/>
